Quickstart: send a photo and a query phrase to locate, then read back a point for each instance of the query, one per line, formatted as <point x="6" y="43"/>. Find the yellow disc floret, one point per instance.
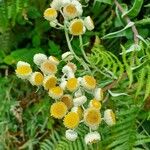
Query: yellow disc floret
<point x="89" y="82"/>
<point x="47" y="67"/>
<point x="67" y="99"/>
<point x="92" y="117"/>
<point x="70" y="11"/>
<point x="36" y="78"/>
<point x="77" y="27"/>
<point x="50" y="14"/>
<point x="71" y="120"/>
<point x="95" y="103"/>
<point x="56" y="92"/>
<point x="23" y="70"/>
<point x="58" y="110"/>
<point x="49" y="82"/>
<point x="72" y="84"/>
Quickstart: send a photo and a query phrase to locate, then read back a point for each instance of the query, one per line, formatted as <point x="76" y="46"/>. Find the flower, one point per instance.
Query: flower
<point x="95" y="103"/>
<point x="23" y="70"/>
<point x="36" y="78"/>
<point x="63" y="84"/>
<point x="67" y="99"/>
<point x="56" y="92"/>
<point x="58" y="110"/>
<point x="71" y="120"/>
<point x="78" y="110"/>
<point x="109" y="117"/>
<point x="77" y="27"/>
<point x="72" y="84"/>
<point x="98" y="94"/>
<point x="79" y="100"/>
<point x="53" y="23"/>
<point x="92" y="137"/>
<point x="92" y="117"/>
<point x="58" y="4"/>
<point x="78" y="93"/>
<point x="53" y="60"/>
<point x="47" y="67"/>
<point x="88" y="82"/>
<point x="39" y="58"/>
<point x="72" y="66"/>
<point x="50" y="14"/>
<point x="71" y="135"/>
<point x="70" y="11"/>
<point x="49" y="82"/>
<point x="67" y="56"/>
<point x="88" y="22"/>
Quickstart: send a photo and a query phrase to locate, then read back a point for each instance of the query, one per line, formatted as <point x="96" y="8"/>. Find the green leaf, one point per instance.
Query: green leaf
<point x="105" y="1"/>
<point x="118" y="33"/>
<point x="134" y="11"/>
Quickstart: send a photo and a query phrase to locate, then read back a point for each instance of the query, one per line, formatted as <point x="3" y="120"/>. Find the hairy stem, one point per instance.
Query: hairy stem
<point x="135" y="32"/>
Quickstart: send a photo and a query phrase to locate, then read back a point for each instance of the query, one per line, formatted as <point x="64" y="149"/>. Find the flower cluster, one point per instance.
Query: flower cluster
<point x="71" y="11"/>
<point x="76" y="99"/>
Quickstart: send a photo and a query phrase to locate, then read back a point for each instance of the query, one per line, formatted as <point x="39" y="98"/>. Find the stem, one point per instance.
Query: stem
<point x="135" y="32"/>
<point x="81" y="61"/>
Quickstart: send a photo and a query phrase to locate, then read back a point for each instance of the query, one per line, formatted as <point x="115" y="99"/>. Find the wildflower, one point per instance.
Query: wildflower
<point x="71" y="120"/>
<point x="71" y="135"/>
<point x="56" y="92"/>
<point x="58" y="4"/>
<point x="79" y="100"/>
<point x="23" y="70"/>
<point x="47" y="67"/>
<point x="53" y="23"/>
<point x="88" y="82"/>
<point x="72" y="66"/>
<point x="67" y="56"/>
<point x="98" y="94"/>
<point x="77" y="27"/>
<point x="72" y="84"/>
<point x="58" y="110"/>
<point x="39" y="58"/>
<point x="53" y="60"/>
<point x="49" y="82"/>
<point x="70" y="11"/>
<point x="63" y="84"/>
<point x="88" y="22"/>
<point x="67" y="69"/>
<point x="78" y="93"/>
<point x="79" y="111"/>
<point x="109" y="117"/>
<point x="50" y="14"/>
<point x="92" y="117"/>
<point x="92" y="137"/>
<point x="36" y="78"/>
<point x="95" y="103"/>
<point x="67" y="99"/>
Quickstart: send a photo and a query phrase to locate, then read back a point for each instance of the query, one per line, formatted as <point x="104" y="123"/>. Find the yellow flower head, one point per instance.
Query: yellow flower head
<point x="88" y="82"/>
<point x="58" y="110"/>
<point x="47" y="67"/>
<point x="70" y="11"/>
<point x="23" y="70"/>
<point x="109" y="117"/>
<point x="92" y="117"/>
<point x="49" y="82"/>
<point x="56" y="92"/>
<point x="54" y="60"/>
<point x="76" y="27"/>
<point x="95" y="103"/>
<point x="71" y="120"/>
<point x="67" y="99"/>
<point x="36" y="78"/>
<point x="50" y="14"/>
<point x="72" y="84"/>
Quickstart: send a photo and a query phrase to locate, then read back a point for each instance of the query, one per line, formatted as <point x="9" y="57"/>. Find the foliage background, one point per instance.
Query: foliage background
<point x="125" y="78"/>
